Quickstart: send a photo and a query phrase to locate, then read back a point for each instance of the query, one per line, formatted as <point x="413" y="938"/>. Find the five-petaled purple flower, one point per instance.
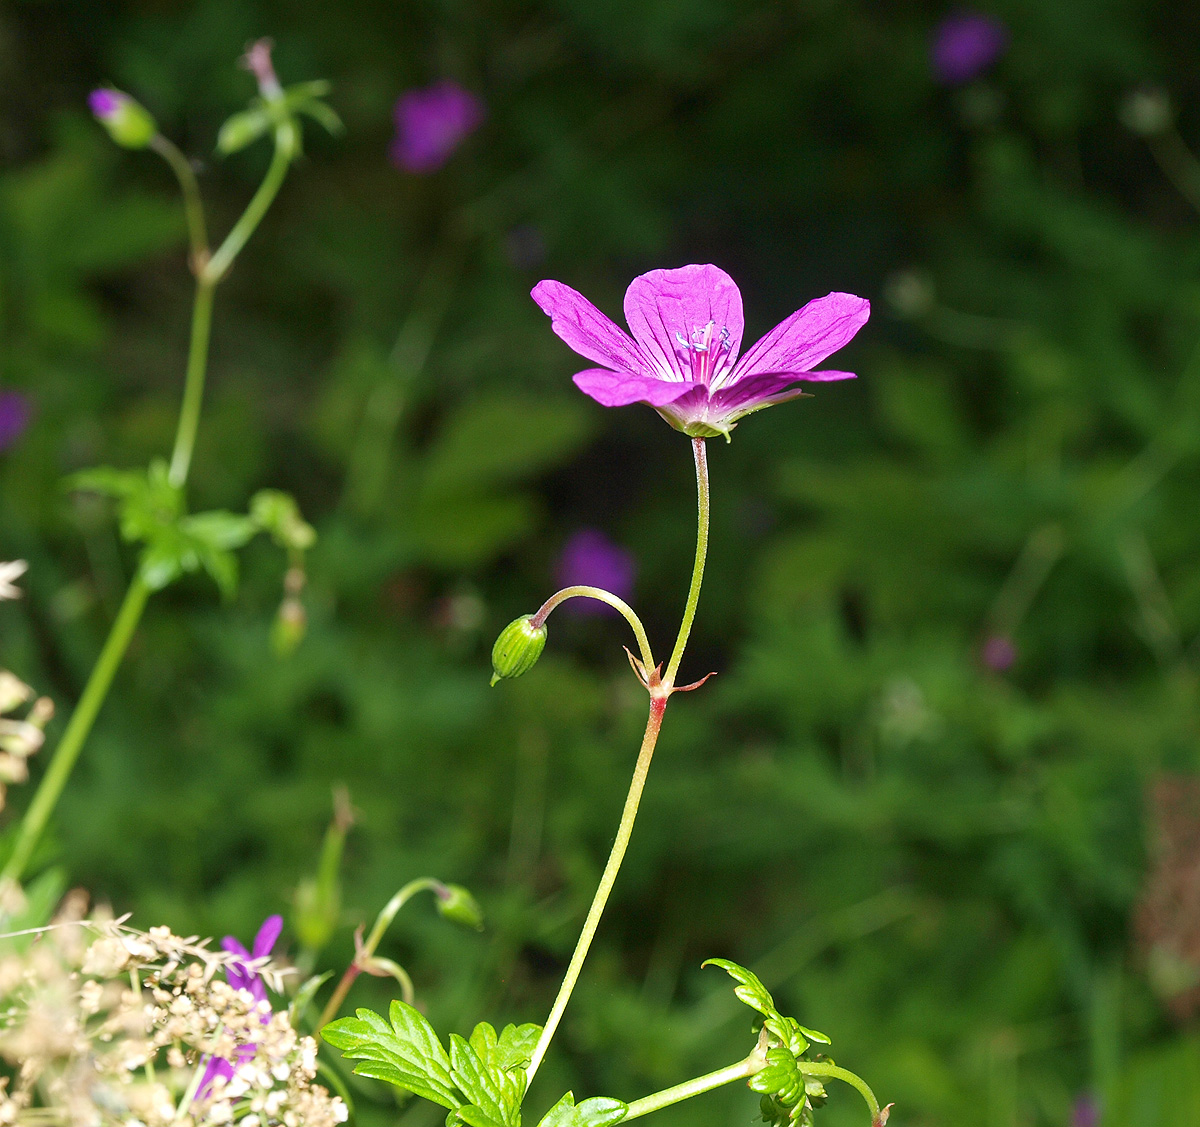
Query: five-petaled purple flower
<point x="591" y="559"/>
<point x="14" y="417"/>
<point x="964" y="45"/>
<point x="683" y="360"/>
<point x="242" y="977"/>
<point x="431" y="123"/>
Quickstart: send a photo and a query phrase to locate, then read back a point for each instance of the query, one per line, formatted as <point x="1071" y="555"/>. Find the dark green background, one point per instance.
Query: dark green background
<point x="937" y="865"/>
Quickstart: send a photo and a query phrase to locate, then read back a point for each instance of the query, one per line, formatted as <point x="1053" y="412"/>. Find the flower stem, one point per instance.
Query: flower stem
<point x="693" y="597"/>
<point x="80" y="724"/>
<point x="826" y="1068"/>
<point x="382" y="922"/>
<point x="619" y="604"/>
<point x="658" y="705"/>
<point x="689" y="1088"/>
<point x="193" y="384"/>
<point x="193" y="206"/>
<point x="286" y="141"/>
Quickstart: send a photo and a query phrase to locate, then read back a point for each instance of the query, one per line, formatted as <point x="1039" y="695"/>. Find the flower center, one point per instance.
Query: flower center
<point x="702" y="352"/>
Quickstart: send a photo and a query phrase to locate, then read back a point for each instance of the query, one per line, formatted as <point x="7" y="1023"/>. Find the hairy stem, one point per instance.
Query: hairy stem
<point x="618" y="604"/>
<point x="693" y="597"/>
<point x="80" y="724"/>
<point x="608" y="878"/>
<point x="689" y="1088"/>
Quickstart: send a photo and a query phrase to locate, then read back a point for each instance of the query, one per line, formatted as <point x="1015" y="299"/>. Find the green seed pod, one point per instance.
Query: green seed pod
<point x="456" y="904"/>
<point x="128" y="122"/>
<point x="517" y="649"/>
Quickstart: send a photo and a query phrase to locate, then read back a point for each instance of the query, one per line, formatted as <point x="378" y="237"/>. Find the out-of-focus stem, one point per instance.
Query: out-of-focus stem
<point x="193" y="206"/>
<point x="80" y="724"/>
<point x="608" y="878"/>
<point x="193" y="384"/>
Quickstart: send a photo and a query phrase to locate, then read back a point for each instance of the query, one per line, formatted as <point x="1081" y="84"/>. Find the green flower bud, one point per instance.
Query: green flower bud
<point x="455" y="903"/>
<point x="128" y="122"/>
<point x="517" y="649"/>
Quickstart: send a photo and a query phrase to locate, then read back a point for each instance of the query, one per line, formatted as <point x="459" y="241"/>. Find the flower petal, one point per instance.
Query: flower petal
<point x="264" y="941"/>
<point x="577" y="321"/>
<point x="618" y="389"/>
<point x="807" y="336"/>
<point x="663" y="303"/>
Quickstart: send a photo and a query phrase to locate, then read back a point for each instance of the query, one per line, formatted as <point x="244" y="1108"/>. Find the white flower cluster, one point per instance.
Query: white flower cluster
<point x="104" y="1025"/>
<point x="19" y="737"/>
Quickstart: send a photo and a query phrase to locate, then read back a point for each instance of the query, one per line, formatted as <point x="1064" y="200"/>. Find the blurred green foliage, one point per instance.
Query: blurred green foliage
<point x="936" y="862"/>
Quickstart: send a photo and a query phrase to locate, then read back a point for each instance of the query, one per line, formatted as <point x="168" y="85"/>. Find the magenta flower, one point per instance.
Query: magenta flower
<point x="431" y="123"/>
<point x="964" y="45"/>
<point x="242" y="977"/>
<point x="683" y="360"/>
<point x="998" y="653"/>
<point x="15" y="413"/>
<point x="591" y="559"/>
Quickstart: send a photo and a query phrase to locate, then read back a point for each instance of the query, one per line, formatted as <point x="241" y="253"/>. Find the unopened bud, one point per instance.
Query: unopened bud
<point x="128" y="122"/>
<point x="517" y="649"/>
<point x="455" y="903"/>
<point x="289" y="627"/>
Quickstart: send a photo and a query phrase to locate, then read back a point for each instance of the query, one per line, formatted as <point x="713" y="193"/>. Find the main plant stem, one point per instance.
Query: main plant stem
<point x="660" y="692"/>
<point x="685" y="1091"/>
<point x="209" y="272"/>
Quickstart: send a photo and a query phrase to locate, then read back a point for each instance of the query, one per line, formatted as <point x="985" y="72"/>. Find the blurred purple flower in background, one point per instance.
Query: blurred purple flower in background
<point x="590" y="559"/>
<point x="682" y="358"/>
<point x="998" y="653"/>
<point x="1086" y="1112"/>
<point x="964" y="45"/>
<point x="242" y="977"/>
<point x="15" y="412"/>
<point x="431" y="123"/>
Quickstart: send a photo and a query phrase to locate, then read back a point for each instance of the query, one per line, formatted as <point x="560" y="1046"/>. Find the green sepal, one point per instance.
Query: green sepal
<point x="406" y="1053"/>
<point x="266" y="114"/>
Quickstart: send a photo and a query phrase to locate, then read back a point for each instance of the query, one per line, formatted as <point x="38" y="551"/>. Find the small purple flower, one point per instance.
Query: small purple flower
<point x="1086" y="1112"/>
<point x="964" y="45"/>
<point x="590" y="559"/>
<point x="241" y="977"/>
<point x="15" y="413"/>
<point x="431" y="123"/>
<point x="998" y="653"/>
<point x="683" y="360"/>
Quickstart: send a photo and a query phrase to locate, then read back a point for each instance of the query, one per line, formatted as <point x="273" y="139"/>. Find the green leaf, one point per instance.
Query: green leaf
<point x="750" y="990"/>
<point x="492" y="1102"/>
<point x="406" y="1053"/>
<point x="219" y="529"/>
<point x="599" y="1111"/>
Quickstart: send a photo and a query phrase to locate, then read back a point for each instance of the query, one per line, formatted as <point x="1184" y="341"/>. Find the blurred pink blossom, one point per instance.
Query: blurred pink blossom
<point x="431" y="123"/>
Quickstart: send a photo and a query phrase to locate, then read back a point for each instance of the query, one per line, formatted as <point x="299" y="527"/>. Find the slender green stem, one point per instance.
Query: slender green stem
<point x="826" y="1068"/>
<point x="693" y="597"/>
<point x="382" y="923"/>
<point x="193" y="206"/>
<point x="286" y="142"/>
<point x="80" y="724"/>
<point x="193" y="384"/>
<point x="658" y="705"/>
<point x="584" y="592"/>
<point x="685" y="1091"/>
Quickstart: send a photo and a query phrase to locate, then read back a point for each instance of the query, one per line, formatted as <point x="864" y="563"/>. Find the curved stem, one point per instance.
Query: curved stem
<point x="685" y="1091"/>
<point x="285" y="147"/>
<point x="80" y="724"/>
<point x="583" y="592"/>
<point x="825" y="1068"/>
<point x="193" y="207"/>
<point x="658" y="705"/>
<point x="689" y="610"/>
<point x="193" y="384"/>
<point x="382" y="922"/>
